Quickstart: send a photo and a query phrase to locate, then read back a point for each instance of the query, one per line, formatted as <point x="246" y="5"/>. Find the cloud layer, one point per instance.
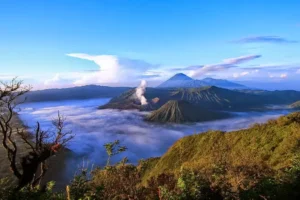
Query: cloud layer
<point x="112" y="70"/>
<point x="117" y="71"/>
<point x="93" y="128"/>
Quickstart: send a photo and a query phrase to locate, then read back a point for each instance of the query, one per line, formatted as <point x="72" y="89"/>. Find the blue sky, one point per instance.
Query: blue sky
<point x="62" y="43"/>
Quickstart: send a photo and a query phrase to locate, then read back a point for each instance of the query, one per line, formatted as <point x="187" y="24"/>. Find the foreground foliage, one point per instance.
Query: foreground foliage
<point x="261" y="162"/>
<point x="268" y="147"/>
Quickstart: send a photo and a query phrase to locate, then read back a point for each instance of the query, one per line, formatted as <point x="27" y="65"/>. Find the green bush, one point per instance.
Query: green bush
<point x="9" y="192"/>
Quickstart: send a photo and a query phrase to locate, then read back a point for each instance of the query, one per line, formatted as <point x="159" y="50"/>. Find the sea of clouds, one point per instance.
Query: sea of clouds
<point x="93" y="128"/>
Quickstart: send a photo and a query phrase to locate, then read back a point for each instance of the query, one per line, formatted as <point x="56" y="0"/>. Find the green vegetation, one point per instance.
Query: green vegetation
<point x="182" y="111"/>
<point x="112" y="149"/>
<point x="261" y="162"/>
<point x="273" y="145"/>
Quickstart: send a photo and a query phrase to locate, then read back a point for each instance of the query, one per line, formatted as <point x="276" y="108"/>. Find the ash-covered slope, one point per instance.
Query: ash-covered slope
<point x="128" y="100"/>
<point x="125" y="101"/>
<point x="182" y="111"/>
<point x="210" y="97"/>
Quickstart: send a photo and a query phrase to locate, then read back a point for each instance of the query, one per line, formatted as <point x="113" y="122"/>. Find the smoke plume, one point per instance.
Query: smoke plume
<point x="140" y="91"/>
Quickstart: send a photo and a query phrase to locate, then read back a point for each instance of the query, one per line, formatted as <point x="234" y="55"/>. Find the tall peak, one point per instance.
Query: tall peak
<point x="180" y="77"/>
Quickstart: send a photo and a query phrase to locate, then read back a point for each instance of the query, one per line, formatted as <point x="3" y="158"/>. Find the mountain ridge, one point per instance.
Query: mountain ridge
<point x="74" y="93"/>
<point x="181" y="80"/>
<point x="210" y="97"/>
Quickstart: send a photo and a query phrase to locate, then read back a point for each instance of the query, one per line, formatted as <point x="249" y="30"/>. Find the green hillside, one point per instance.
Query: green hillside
<point x="273" y="145"/>
<point x="261" y="162"/>
<point x="182" y="111"/>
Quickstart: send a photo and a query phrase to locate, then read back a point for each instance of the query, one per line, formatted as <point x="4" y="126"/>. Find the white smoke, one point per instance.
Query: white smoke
<point x="140" y="91"/>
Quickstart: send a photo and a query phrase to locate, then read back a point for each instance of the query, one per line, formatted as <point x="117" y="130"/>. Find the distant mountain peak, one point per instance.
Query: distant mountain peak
<point x="181" y="80"/>
<point x="180" y="77"/>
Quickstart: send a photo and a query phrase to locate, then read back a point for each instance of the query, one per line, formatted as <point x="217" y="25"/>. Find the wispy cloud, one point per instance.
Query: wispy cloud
<point x="225" y="64"/>
<point x="4" y="77"/>
<point x="283" y="75"/>
<point x="265" y="39"/>
<point x="291" y="67"/>
<point x="241" y="59"/>
<point x="278" y="76"/>
<point x="189" y="68"/>
<point x="272" y="72"/>
<point x="117" y="71"/>
<point x="238" y="75"/>
<point x="151" y="74"/>
<point x="8" y="77"/>
<point x="56" y="78"/>
<point x="145" y="76"/>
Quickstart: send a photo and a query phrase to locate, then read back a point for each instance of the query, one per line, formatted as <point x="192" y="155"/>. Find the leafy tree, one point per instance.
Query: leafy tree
<point x="112" y="149"/>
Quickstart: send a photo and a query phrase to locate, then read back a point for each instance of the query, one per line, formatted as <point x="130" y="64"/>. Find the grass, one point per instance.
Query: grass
<point x="274" y="145"/>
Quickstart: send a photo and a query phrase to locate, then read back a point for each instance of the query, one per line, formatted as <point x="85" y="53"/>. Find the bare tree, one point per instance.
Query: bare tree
<point x="31" y="167"/>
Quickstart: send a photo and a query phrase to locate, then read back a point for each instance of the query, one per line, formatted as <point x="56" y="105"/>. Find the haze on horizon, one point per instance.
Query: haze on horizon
<point x="52" y="44"/>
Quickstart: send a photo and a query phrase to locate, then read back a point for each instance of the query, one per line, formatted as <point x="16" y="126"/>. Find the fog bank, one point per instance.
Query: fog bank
<point x="93" y="128"/>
